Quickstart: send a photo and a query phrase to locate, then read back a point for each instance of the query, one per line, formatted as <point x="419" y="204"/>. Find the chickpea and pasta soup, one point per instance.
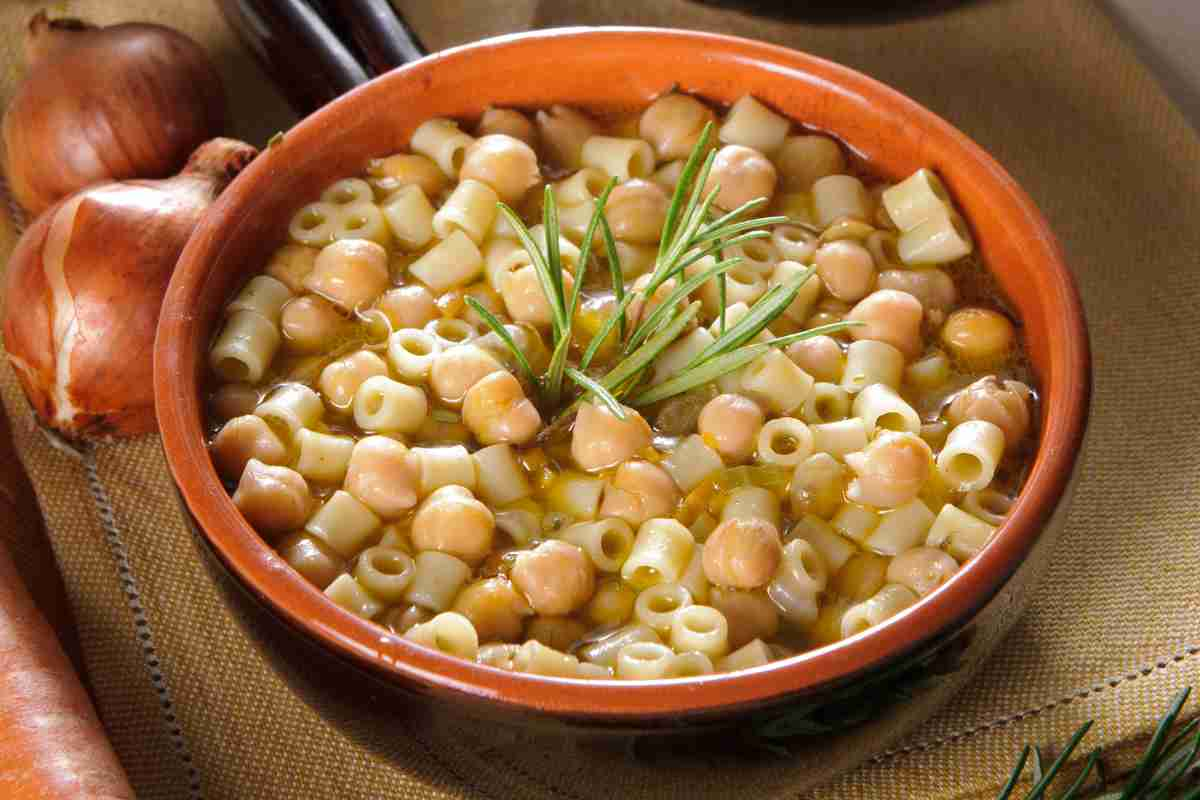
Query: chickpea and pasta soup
<point x="648" y="396"/>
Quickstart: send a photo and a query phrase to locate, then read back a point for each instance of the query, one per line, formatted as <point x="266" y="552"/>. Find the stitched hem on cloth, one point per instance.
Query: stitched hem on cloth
<point x="1158" y="665"/>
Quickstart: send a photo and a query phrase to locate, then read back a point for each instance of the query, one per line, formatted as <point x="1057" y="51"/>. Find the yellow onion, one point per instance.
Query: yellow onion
<point x="126" y="101"/>
<point x="85" y="285"/>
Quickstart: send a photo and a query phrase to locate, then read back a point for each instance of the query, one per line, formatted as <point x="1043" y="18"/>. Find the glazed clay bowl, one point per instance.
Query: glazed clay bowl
<point x="623" y="69"/>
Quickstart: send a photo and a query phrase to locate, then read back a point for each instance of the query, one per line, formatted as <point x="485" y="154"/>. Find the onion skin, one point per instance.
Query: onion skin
<point x="85" y="285"/>
<point x="126" y="101"/>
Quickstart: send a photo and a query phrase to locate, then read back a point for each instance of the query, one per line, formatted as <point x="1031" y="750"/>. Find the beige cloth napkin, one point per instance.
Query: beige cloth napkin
<point x="195" y="708"/>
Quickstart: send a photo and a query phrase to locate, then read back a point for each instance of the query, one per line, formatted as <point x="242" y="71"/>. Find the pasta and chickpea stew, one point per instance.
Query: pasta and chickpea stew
<point x="731" y="397"/>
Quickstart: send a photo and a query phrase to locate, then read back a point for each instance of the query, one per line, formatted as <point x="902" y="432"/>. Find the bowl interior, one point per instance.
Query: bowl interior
<point x="612" y="70"/>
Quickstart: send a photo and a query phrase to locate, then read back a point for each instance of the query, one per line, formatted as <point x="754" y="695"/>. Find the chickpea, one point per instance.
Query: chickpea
<point x="636" y="210"/>
<point x="310" y="324"/>
<point x="742" y="553"/>
<point x="563" y="131"/>
<point x="804" y="159"/>
<point x="820" y="356"/>
<point x="1005" y="405"/>
<point x="526" y="338"/>
<point x="556" y="577"/>
<point x="523" y="296"/>
<point x="399" y="619"/>
<point x="234" y="400"/>
<point x="922" y="569"/>
<point x="730" y="424"/>
<point x="639" y="491"/>
<point x="978" y="337"/>
<point x="407" y="169"/>
<point x="892" y="317"/>
<point x="744" y="174"/>
<point x="242" y="439"/>
<point x="861" y="576"/>
<point x="504" y="163"/>
<point x="341" y="378"/>
<point x="933" y="287"/>
<point x="456" y="370"/>
<point x="411" y="306"/>
<point x="312" y="558"/>
<point x="817" y="486"/>
<point x="751" y="615"/>
<point x="382" y="474"/>
<point x="495" y="608"/>
<point x="891" y="471"/>
<point x="846" y="268"/>
<point x="452" y="521"/>
<point x="291" y="264"/>
<point x="488" y="297"/>
<point x="557" y="632"/>
<point x="612" y="604"/>
<point x="350" y="272"/>
<point x="273" y="499"/>
<point x="496" y="410"/>
<point x="506" y="121"/>
<point x="600" y="440"/>
<point x="672" y="125"/>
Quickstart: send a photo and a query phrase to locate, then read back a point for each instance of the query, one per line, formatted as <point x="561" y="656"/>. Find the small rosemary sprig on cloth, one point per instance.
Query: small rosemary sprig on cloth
<point x="692" y="231"/>
<point x="1166" y="764"/>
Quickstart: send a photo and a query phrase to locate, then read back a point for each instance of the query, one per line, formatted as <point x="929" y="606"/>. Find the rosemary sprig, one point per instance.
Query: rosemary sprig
<point x="1159" y="774"/>
<point x="595" y="389"/>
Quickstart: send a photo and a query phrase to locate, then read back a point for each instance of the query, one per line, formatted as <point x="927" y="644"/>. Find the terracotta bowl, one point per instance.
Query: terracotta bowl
<point x="614" y="69"/>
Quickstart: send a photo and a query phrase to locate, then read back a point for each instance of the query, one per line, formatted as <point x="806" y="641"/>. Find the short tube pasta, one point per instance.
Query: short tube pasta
<point x="901" y="529"/>
<point x="343" y="523"/>
<point x="753" y="654"/>
<point x="691" y="462"/>
<point x="409" y="216"/>
<point x="412" y="352"/>
<point x="263" y="295"/>
<point x="245" y="347"/>
<point x="837" y="197"/>
<point x="437" y="577"/>
<point x="702" y="629"/>
<point x="751" y="124"/>
<point x="775" y="381"/>
<point x="619" y="158"/>
<point x="441" y="140"/>
<point x="784" y="441"/>
<point x="869" y="361"/>
<point x="916" y="199"/>
<point x="855" y="522"/>
<point x="607" y="542"/>
<point x="961" y="534"/>
<point x="385" y="572"/>
<point x="448" y="632"/>
<point x="839" y="438"/>
<point x="384" y="405"/>
<point x="885" y="604"/>
<point x="444" y="466"/>
<point x="694" y="579"/>
<point x="657" y="605"/>
<point x="939" y="240"/>
<point x="661" y="552"/>
<point x="605" y="649"/>
<point x="972" y="452"/>
<point x="352" y="596"/>
<point x="454" y="261"/>
<point x="690" y="665"/>
<point x="642" y="661"/>
<point x="323" y="457"/>
<point x="752" y="503"/>
<point x="835" y="550"/>
<point x="828" y="402"/>
<point x="798" y="582"/>
<point x="881" y="407"/>
<point x="499" y="475"/>
<point x="290" y="407"/>
<point x="470" y="208"/>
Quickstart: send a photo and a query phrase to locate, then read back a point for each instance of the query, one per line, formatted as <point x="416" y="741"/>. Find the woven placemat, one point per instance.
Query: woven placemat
<point x="196" y="709"/>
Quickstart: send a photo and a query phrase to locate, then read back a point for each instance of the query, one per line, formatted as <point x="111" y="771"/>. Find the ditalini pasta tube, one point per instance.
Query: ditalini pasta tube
<point x="263" y="295"/>
<point x="901" y="529"/>
<point x="442" y="141"/>
<point x="291" y="407"/>
<point x="470" y="208"/>
<point x="323" y="457"/>
<point x="869" y="361"/>
<point x="660" y="554"/>
<point x="839" y="438"/>
<point x="835" y="550"/>
<point x="448" y="632"/>
<point x="751" y="124"/>
<point x="936" y="241"/>
<point x="754" y="654"/>
<point x="702" y="629"/>
<point x="409" y="215"/>
<point x="643" y="661"/>
<point x="350" y="595"/>
<point x="499" y="476"/>
<point x="972" y="451"/>
<point x="343" y="523"/>
<point x="245" y="347"/>
<point x="607" y="542"/>
<point x="916" y="199"/>
<point x="621" y="158"/>
<point x="884" y="604"/>
<point x="454" y="261"/>
<point x="798" y="582"/>
<point x="880" y="406"/>
<point x="437" y="577"/>
<point x="604" y="650"/>
<point x="961" y="534"/>
<point x="657" y="605"/>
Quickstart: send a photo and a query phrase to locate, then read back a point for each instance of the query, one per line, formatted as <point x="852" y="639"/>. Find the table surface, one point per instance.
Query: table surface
<point x="1166" y="34"/>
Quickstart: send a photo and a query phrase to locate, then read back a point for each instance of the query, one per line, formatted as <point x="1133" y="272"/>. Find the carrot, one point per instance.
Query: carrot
<point x="52" y="746"/>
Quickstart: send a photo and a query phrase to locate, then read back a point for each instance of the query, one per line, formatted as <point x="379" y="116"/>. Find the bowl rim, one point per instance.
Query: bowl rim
<point x="367" y="645"/>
